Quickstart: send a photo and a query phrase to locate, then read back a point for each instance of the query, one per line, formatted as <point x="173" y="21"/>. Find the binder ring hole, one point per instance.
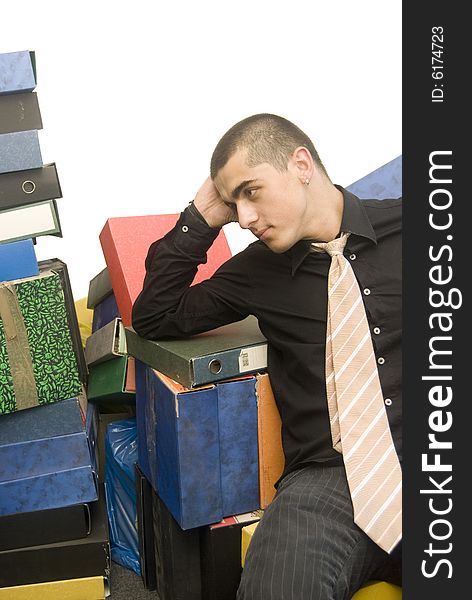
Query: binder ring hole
<point x="215" y="366"/>
<point x="28" y="187"/>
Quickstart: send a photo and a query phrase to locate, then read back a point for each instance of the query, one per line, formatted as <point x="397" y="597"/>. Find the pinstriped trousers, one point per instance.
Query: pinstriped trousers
<point x="307" y="546"/>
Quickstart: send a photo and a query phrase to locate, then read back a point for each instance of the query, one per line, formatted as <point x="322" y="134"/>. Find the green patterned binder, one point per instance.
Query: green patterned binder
<point x="37" y="360"/>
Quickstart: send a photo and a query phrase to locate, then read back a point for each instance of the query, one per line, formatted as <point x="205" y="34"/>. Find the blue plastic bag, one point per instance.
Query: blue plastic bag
<point x="121" y="453"/>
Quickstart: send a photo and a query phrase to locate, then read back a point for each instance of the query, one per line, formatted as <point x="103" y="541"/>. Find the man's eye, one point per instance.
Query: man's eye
<point x="250" y="192"/>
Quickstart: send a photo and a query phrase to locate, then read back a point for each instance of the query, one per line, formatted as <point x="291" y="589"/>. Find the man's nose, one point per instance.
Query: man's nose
<point x="246" y="215"/>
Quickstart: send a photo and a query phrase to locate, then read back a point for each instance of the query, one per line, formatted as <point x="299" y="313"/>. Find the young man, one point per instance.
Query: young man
<point x="267" y="175"/>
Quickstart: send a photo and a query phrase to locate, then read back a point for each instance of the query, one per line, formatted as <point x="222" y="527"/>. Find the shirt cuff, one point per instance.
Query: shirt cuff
<point x="192" y="232"/>
<point x="194" y="211"/>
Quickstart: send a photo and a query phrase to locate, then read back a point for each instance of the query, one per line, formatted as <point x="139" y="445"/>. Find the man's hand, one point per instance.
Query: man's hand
<point x="210" y="205"/>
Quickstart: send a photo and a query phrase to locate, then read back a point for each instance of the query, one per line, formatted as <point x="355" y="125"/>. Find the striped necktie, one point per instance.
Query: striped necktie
<point x="359" y="423"/>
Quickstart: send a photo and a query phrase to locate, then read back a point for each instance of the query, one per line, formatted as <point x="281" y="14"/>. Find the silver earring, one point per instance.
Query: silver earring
<point x="307" y="182"/>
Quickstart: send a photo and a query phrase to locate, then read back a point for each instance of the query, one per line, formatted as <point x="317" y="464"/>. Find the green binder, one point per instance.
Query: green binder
<point x="224" y="353"/>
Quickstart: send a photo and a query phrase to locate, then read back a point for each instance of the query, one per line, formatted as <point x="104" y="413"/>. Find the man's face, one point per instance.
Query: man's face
<point x="271" y="204"/>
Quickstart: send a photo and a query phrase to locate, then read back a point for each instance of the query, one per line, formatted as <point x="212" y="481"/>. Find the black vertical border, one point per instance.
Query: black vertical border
<point x="430" y="127"/>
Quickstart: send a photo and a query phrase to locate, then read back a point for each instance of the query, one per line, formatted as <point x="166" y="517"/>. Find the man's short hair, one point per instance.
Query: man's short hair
<point x="267" y="138"/>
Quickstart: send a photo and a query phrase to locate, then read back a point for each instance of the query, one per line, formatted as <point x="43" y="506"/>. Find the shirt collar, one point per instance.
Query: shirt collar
<point x="355" y="220"/>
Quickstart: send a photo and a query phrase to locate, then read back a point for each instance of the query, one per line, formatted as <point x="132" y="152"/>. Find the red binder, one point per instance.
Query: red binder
<point x="125" y="242"/>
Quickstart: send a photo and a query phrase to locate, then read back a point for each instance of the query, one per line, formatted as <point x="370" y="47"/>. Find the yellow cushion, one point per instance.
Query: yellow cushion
<point x="373" y="590"/>
<point x="84" y="317"/>
<point x="378" y="590"/>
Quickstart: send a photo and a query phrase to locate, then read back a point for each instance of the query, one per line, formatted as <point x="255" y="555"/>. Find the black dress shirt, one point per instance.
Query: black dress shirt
<point x="288" y="295"/>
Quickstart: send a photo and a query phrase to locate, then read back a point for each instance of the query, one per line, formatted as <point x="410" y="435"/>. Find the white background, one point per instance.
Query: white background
<point x="134" y="96"/>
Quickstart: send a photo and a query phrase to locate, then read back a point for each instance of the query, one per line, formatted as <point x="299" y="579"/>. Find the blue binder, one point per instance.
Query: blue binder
<point x="20" y="151"/>
<point x="198" y="447"/>
<point x="384" y="182"/>
<point x="46" y="457"/>
<point x="17" y="72"/>
<point x="18" y="260"/>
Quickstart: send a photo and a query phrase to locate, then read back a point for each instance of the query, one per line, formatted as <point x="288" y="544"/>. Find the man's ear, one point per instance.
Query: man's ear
<point x="302" y="163"/>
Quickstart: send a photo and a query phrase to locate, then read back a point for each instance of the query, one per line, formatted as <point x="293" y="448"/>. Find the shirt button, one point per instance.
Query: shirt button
<point x="366" y="291"/>
<point x="184" y="228"/>
<point x="388" y="401"/>
<point x="381" y="360"/>
<point x="376" y="330"/>
<point x="352" y="256"/>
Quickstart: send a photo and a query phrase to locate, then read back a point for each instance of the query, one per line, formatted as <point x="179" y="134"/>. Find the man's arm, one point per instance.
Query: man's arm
<point x="167" y="306"/>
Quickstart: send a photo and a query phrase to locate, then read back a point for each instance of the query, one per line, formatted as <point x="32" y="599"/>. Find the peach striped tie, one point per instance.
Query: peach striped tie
<point x="359" y="423"/>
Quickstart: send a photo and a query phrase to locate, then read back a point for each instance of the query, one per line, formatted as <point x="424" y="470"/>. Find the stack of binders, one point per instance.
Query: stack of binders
<point x="204" y="454"/>
<point x="198" y="461"/>
<point x="111" y="369"/>
<point x="207" y="451"/>
<point x="207" y="425"/>
<point x="53" y="526"/>
<point x="28" y="189"/>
